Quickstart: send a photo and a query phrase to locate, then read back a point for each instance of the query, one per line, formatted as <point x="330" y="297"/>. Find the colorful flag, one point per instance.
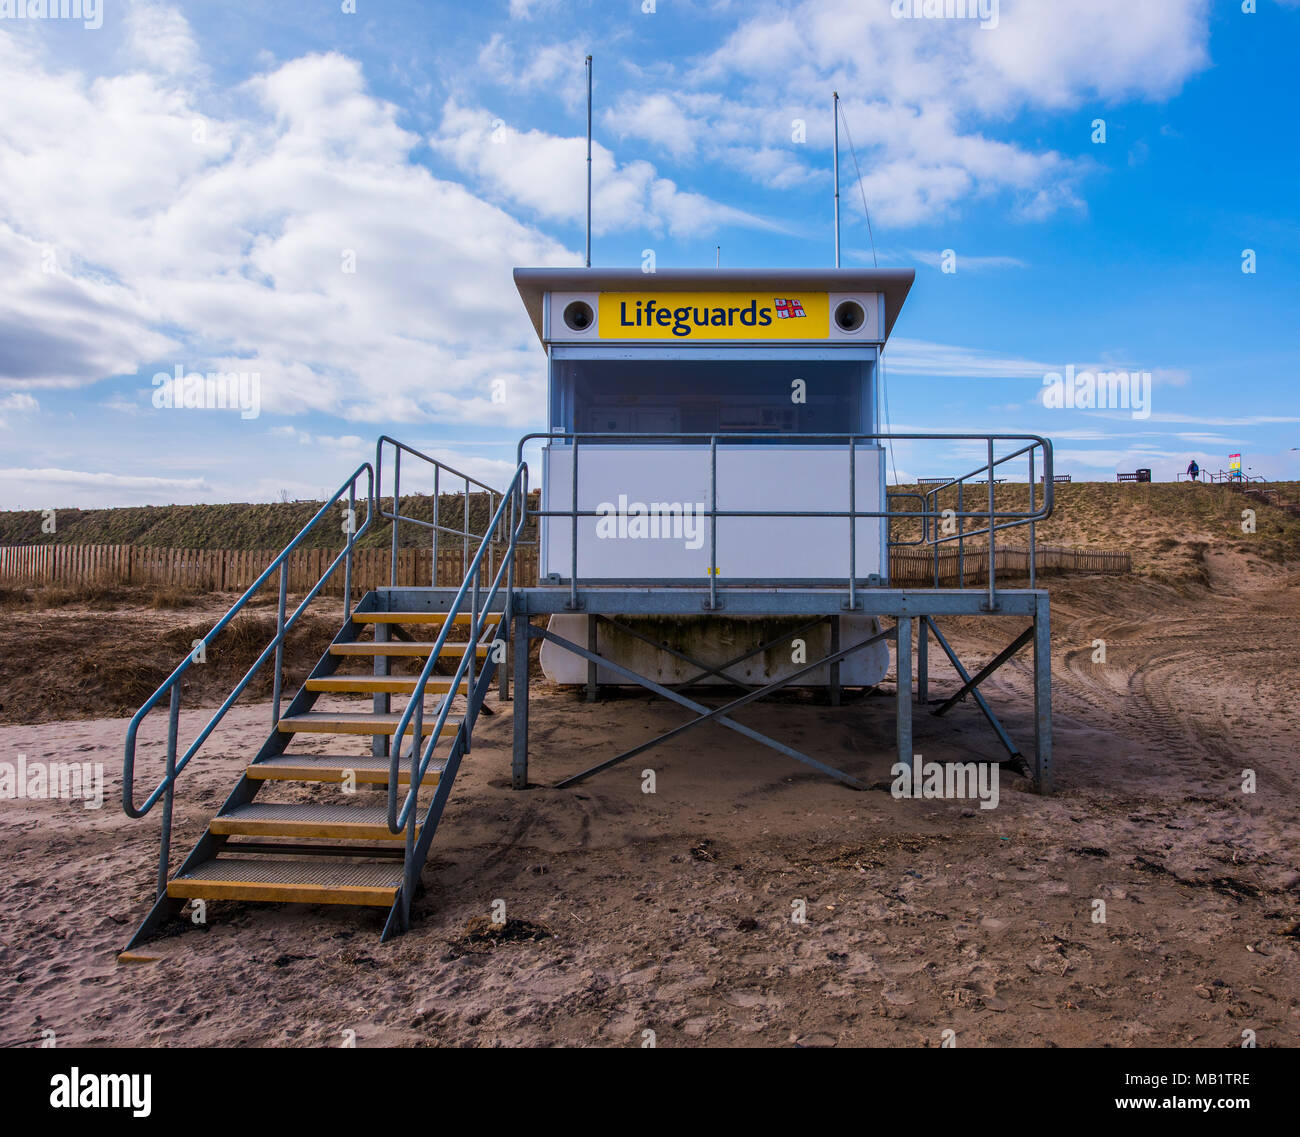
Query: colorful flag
<point x="788" y="309"/>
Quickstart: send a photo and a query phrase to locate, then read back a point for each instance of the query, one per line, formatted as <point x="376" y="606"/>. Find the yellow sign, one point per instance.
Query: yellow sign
<point x="690" y="316"/>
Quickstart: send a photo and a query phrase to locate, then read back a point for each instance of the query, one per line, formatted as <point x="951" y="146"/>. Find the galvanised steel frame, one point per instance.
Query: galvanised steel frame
<point x="810" y="602"/>
<point x="908" y="609"/>
<point x="605" y="601"/>
<point x="476" y="597"/>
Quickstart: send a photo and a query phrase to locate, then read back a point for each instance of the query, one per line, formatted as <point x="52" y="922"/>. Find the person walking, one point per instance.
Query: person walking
<point x="1193" y="470"/>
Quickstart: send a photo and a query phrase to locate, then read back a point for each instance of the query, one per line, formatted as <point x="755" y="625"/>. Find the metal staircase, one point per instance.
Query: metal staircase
<point x="305" y="827"/>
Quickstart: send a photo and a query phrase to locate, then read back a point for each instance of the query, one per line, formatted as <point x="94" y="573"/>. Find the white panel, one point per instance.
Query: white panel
<point x="627" y="478"/>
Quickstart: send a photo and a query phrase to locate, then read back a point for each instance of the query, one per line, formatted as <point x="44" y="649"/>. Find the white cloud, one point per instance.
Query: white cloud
<point x="535" y="66"/>
<point x="159" y="36"/>
<point x="921" y="357"/>
<point x="97" y="479"/>
<point x="228" y="253"/>
<point x="966" y="262"/>
<point x="546" y="174"/>
<point x="918" y="94"/>
<point x="526" y="9"/>
<point x="19" y="403"/>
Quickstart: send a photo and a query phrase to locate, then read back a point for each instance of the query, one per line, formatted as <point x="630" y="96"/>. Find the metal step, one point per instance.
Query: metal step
<point x="366" y="768"/>
<point x="280" y="849"/>
<point x="306" y="819"/>
<point x="384" y="684"/>
<point x="355" y="722"/>
<point x="461" y="620"/>
<point x="420" y="648"/>
<point x="302" y="882"/>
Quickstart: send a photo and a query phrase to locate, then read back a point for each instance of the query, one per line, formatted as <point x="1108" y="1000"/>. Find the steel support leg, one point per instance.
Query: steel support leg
<point x="593" y="638"/>
<point x="1043" y="774"/>
<point x="718" y="715"/>
<point x="923" y="660"/>
<point x="903" y="656"/>
<point x="980" y="701"/>
<point x="519" y="646"/>
<point x="988" y="669"/>
<point x="503" y="664"/>
<point x="835" y="667"/>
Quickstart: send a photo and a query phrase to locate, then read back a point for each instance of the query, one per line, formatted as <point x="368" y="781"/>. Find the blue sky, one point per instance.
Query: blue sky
<point x="184" y="184"/>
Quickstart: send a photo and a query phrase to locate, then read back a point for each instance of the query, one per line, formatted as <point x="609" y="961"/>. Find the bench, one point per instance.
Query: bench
<point x="1136" y="476"/>
<point x="1058" y="478"/>
<point x="932" y="481"/>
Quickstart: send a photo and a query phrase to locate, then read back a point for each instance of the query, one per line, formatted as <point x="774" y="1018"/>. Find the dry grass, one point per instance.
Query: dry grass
<point x="1166" y="526"/>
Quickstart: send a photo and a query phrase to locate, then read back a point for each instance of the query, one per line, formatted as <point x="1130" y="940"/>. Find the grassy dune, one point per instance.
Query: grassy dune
<point x="1166" y="526"/>
<point x="234" y="526"/>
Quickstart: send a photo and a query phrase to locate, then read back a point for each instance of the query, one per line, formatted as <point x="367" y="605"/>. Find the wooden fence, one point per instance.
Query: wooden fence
<point x="233" y="570"/>
<point x="229" y="570"/>
<point x="915" y="565"/>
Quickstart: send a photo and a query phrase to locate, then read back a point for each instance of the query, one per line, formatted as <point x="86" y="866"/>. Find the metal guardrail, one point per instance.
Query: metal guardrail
<point x="516" y="495"/>
<point x="466" y="534"/>
<point x="930" y="532"/>
<point x="1232" y="477"/>
<point x="930" y="515"/>
<point x="480" y="603"/>
<point x="171" y="686"/>
<point x="421" y="751"/>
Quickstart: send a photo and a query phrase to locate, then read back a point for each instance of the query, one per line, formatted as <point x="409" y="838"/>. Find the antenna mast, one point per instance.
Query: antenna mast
<point x="589" y="161"/>
<point x="835" y="108"/>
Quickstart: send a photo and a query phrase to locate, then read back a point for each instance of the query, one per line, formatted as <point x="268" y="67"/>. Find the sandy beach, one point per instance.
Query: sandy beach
<point x="672" y="912"/>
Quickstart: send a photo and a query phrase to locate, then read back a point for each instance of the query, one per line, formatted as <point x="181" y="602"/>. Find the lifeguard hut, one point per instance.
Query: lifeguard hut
<point x="686" y="400"/>
<point x="714" y="506"/>
<point x="714" y="510"/>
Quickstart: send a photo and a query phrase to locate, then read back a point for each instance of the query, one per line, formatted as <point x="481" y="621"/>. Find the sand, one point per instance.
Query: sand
<point x="672" y="912"/>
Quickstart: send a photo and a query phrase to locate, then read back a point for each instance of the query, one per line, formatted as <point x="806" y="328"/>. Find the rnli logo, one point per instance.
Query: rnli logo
<point x="788" y="309"/>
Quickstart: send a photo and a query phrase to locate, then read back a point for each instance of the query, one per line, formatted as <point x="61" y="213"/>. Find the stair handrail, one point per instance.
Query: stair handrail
<point x="466" y="534"/>
<point x="172" y="682"/>
<point x="515" y="492"/>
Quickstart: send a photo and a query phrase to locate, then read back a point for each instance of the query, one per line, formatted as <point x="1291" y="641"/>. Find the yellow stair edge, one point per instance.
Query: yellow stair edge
<point x="403" y="647"/>
<point x="282" y="827"/>
<point x="337" y="722"/>
<point x="383" y="684"/>
<point x="291" y="881"/>
<point x="363" y="775"/>
<point x="372" y="897"/>
<point x="460" y="620"/>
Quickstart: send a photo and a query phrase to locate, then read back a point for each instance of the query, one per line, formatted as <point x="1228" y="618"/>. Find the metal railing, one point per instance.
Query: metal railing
<point x="171" y="686"/>
<point x="480" y="604"/>
<point x="412" y="718"/>
<point x="465" y="533"/>
<point x="931" y="517"/>
<point x="1231" y="477"/>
